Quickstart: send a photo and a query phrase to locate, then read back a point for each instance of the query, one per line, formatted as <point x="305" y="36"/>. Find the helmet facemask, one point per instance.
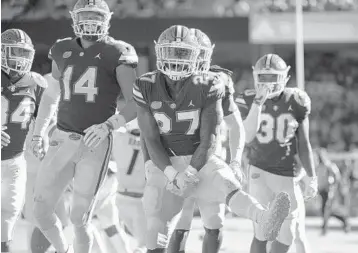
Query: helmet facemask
<point x="17" y="57"/>
<point x="90" y="23"/>
<point x="204" y="59"/>
<point x="176" y="60"/>
<point x="275" y="80"/>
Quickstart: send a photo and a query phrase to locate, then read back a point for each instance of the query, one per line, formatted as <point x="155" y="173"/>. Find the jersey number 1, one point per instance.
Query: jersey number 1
<point x="133" y="161"/>
<point x="85" y="85"/>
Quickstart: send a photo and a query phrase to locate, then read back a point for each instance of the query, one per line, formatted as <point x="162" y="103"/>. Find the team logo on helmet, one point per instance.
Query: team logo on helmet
<point x="177" y="51"/>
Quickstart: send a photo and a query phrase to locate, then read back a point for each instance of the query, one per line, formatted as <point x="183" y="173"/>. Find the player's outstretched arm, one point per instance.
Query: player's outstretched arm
<point x="150" y="132"/>
<point x="47" y="109"/>
<point x="211" y="118"/>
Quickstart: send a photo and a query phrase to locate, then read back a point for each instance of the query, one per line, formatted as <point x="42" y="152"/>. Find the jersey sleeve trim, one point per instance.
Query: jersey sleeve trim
<point x="138" y="97"/>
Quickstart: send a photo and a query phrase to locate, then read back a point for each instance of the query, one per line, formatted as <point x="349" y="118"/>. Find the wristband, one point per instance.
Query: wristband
<point x="170" y="173"/>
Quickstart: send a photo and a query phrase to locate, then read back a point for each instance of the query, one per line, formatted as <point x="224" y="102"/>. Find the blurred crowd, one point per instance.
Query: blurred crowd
<point x="36" y="9"/>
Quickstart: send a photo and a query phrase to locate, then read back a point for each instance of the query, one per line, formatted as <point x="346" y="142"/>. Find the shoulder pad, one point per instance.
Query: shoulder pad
<point x="216" y="68"/>
<point x="128" y="55"/>
<point x="149" y="77"/>
<point x="301" y="97"/>
<point x="249" y="92"/>
<point x="39" y="79"/>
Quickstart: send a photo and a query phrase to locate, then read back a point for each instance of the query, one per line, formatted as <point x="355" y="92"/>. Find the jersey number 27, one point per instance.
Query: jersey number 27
<point x="165" y="122"/>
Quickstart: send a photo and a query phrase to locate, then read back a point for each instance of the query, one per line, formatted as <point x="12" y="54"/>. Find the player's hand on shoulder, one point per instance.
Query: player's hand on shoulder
<point x="38" y="146"/>
<point x="95" y="134"/>
<point x="5" y="138"/>
<point x="262" y="94"/>
<point x="128" y="55"/>
<point x="39" y="79"/>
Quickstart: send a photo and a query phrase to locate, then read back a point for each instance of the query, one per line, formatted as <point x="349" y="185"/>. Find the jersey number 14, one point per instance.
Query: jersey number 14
<point x="85" y="85"/>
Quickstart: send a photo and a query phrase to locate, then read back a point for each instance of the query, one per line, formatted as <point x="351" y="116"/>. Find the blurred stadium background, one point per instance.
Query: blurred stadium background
<point x="242" y="30"/>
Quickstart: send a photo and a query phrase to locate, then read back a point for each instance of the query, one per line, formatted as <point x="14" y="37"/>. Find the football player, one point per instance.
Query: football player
<point x="179" y="115"/>
<point x="213" y="237"/>
<point x="131" y="181"/>
<point x="277" y="129"/>
<point x="38" y="242"/>
<point x="21" y="91"/>
<point x="91" y="70"/>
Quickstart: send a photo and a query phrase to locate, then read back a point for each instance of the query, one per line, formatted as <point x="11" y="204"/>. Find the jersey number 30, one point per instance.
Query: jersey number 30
<point x="280" y="129"/>
<point x="85" y="85"/>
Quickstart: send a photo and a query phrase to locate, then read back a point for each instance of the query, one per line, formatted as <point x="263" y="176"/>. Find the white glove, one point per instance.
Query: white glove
<point x="262" y="94"/>
<point x="5" y="138"/>
<point x="38" y="146"/>
<point x="181" y="183"/>
<point x="236" y="169"/>
<point x="95" y="134"/>
<point x="311" y="187"/>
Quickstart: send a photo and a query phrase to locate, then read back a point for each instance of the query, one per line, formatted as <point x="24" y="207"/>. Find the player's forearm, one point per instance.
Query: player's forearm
<point x="46" y="111"/>
<point x="203" y="152"/>
<point x="236" y="135"/>
<point x="157" y="153"/>
<point x="306" y="157"/>
<point x="252" y="122"/>
<point x="127" y="114"/>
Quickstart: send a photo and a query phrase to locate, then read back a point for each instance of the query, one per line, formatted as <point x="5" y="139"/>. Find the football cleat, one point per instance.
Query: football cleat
<point x="271" y="70"/>
<point x="177" y="51"/>
<point x="91" y="19"/>
<point x="276" y="215"/>
<point x="17" y="52"/>
<point x="206" y="50"/>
